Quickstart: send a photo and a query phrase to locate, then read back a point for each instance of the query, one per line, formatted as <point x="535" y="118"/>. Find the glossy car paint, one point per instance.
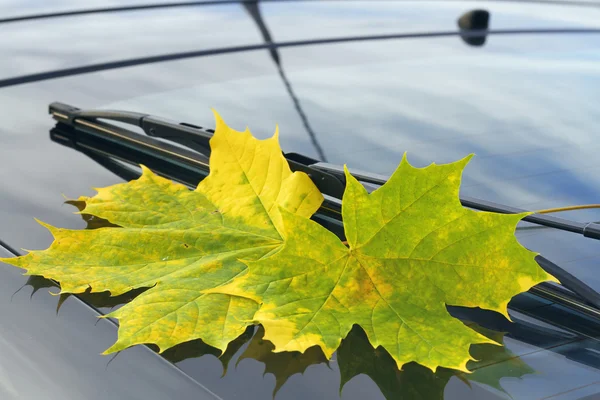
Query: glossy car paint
<point x="525" y="104"/>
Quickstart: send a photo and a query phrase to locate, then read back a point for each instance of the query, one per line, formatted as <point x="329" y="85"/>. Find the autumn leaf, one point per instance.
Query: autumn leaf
<point x="412" y="250"/>
<point x="179" y="242"/>
<point x="240" y="249"/>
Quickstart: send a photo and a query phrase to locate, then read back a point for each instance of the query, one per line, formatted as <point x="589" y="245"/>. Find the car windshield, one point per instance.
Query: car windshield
<point x="524" y="104"/>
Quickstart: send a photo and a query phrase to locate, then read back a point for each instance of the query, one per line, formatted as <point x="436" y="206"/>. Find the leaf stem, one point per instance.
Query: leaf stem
<point x="569" y="208"/>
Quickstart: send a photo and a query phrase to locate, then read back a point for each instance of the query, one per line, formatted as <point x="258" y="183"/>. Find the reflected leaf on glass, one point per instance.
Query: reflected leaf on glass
<point x="102" y="300"/>
<point x="37" y="283"/>
<point x="91" y="221"/>
<point x="197" y="348"/>
<point x="356" y="356"/>
<point x="494" y="362"/>
<point x="282" y="364"/>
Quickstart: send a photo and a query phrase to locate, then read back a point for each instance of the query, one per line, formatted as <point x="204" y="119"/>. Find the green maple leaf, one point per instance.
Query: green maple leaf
<point x="413" y="249"/>
<point x="179" y="242"/>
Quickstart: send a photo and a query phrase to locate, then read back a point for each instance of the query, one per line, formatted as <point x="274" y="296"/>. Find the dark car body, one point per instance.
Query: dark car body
<point x="391" y="77"/>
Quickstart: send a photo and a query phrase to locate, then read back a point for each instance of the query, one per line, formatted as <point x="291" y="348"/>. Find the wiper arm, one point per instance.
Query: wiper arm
<point x="88" y="132"/>
<point x="194" y="137"/>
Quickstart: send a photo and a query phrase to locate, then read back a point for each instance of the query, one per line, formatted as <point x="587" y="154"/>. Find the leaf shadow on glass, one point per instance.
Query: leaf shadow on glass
<point x="197" y="348"/>
<point x="355" y="355"/>
<point x="91" y="221"/>
<point x="283" y="364"/>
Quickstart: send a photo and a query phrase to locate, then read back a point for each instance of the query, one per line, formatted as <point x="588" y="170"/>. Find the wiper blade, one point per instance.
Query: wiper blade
<point x="328" y="178"/>
<point x="88" y="132"/>
<point x="192" y="136"/>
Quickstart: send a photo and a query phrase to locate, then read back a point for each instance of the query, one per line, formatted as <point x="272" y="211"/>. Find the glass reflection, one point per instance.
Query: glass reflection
<point x="254" y="11"/>
<point x="354" y="357"/>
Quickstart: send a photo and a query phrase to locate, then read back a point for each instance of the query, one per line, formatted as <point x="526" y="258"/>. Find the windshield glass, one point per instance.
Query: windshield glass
<point x="528" y="116"/>
<point x="526" y="105"/>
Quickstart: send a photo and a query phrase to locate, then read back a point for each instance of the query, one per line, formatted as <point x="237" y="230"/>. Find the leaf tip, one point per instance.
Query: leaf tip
<point x="51" y="228"/>
<point x="503" y="309"/>
<point x="486" y="340"/>
<point x="348" y="174"/>
<point x="110" y="350"/>
<point x="146" y="170"/>
<point x="10" y="260"/>
<point x="552" y="278"/>
<point x="218" y="119"/>
<point x="464" y="161"/>
<point x="462" y="367"/>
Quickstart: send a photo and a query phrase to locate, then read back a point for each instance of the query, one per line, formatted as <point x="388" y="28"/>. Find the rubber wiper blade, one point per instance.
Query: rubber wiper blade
<point x="329" y="178"/>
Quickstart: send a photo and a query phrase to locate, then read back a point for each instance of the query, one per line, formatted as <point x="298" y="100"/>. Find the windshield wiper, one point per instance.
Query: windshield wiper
<point x="112" y="145"/>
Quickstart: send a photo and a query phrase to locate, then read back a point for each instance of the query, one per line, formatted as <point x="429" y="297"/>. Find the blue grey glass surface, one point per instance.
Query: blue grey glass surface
<point x="100" y="37"/>
<point x="524" y="104"/>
